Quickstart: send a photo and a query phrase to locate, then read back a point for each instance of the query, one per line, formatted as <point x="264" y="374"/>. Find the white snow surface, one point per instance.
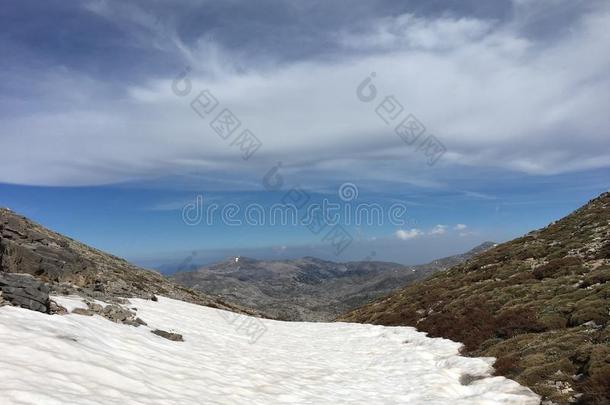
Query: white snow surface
<point x="76" y="359"/>
<point x="70" y="302"/>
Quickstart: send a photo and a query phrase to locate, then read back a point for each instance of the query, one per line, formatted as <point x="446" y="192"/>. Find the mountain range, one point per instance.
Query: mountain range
<point x="308" y="289"/>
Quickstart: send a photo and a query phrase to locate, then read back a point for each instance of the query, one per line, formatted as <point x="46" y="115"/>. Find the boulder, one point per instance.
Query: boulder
<point x="175" y="337"/>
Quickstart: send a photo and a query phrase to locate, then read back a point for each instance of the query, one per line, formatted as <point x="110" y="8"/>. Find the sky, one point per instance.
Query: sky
<point x="114" y="121"/>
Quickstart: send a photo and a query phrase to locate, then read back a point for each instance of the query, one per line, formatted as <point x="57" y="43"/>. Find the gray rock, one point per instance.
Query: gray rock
<point x="175" y="337"/>
<point x="139" y="322"/>
<point x="97" y="308"/>
<point x="112" y="312"/>
<point x="82" y="311"/>
<point x="56" y="309"/>
<point x="117" y="314"/>
<point x="22" y="290"/>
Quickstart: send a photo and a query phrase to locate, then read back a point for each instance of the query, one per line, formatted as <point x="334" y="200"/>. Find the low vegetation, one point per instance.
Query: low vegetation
<point x="539" y="304"/>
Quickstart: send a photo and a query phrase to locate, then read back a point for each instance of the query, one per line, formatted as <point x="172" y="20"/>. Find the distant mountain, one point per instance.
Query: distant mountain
<point x="308" y="289"/>
<point x="539" y="304"/>
<point x="62" y="265"/>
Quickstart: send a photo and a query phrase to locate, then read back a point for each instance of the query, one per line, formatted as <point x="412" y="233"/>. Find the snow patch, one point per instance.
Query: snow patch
<point x="86" y="360"/>
<point x="70" y="302"/>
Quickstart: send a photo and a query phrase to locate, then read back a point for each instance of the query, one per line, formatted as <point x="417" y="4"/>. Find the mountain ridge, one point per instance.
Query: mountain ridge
<point x="67" y="266"/>
<point x="308" y="288"/>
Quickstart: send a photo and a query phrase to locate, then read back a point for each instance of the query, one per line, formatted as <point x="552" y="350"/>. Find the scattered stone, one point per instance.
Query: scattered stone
<point x="112" y="312"/>
<point x="56" y="309"/>
<point x="117" y="313"/>
<point x="592" y="325"/>
<point x="154" y="298"/>
<point x="562" y="386"/>
<point x="174" y="337"/>
<point x="82" y="311"/>
<point x="467" y="379"/>
<point x="68" y="337"/>
<point x="97" y="308"/>
<point x="98" y="286"/>
<point x="121" y="301"/>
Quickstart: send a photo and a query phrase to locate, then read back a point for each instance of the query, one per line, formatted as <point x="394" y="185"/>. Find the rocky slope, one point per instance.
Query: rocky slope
<point x="35" y="261"/>
<point x="308" y="289"/>
<point x="539" y="304"/>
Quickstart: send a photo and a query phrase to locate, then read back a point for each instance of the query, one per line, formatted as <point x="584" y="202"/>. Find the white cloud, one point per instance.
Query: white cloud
<point x="409" y="31"/>
<point x="439" y="230"/>
<point x="408" y="234"/>
<point x="460" y="227"/>
<point x="492" y="96"/>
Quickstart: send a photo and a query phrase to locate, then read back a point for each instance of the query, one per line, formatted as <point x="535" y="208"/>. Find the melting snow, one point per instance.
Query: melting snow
<point x="70" y="302"/>
<point x="74" y="359"/>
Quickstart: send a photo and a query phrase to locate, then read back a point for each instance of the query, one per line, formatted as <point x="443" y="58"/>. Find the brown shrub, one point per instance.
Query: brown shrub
<point x="595" y="311"/>
<point x="553" y="321"/>
<point x="476" y="323"/>
<point x="507" y="365"/>
<point x="599" y="276"/>
<point x="516" y="321"/>
<point x="472" y="328"/>
<point x="396" y="318"/>
<point x="557" y="267"/>
<point x="596" y="388"/>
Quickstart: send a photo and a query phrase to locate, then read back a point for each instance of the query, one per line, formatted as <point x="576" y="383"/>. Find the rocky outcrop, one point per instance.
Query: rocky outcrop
<point x="174" y="337"/>
<point x="70" y="267"/>
<point x="22" y="290"/>
<point x="113" y="312"/>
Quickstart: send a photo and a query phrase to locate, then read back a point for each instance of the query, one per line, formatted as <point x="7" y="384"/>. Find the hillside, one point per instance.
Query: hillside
<point x="308" y="289"/>
<point x="58" y="264"/>
<point x="539" y="303"/>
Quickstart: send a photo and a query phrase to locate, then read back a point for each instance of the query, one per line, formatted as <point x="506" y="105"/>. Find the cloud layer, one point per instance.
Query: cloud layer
<point x="495" y="92"/>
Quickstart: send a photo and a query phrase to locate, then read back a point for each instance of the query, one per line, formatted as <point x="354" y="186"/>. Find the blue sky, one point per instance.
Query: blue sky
<point x="97" y="144"/>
